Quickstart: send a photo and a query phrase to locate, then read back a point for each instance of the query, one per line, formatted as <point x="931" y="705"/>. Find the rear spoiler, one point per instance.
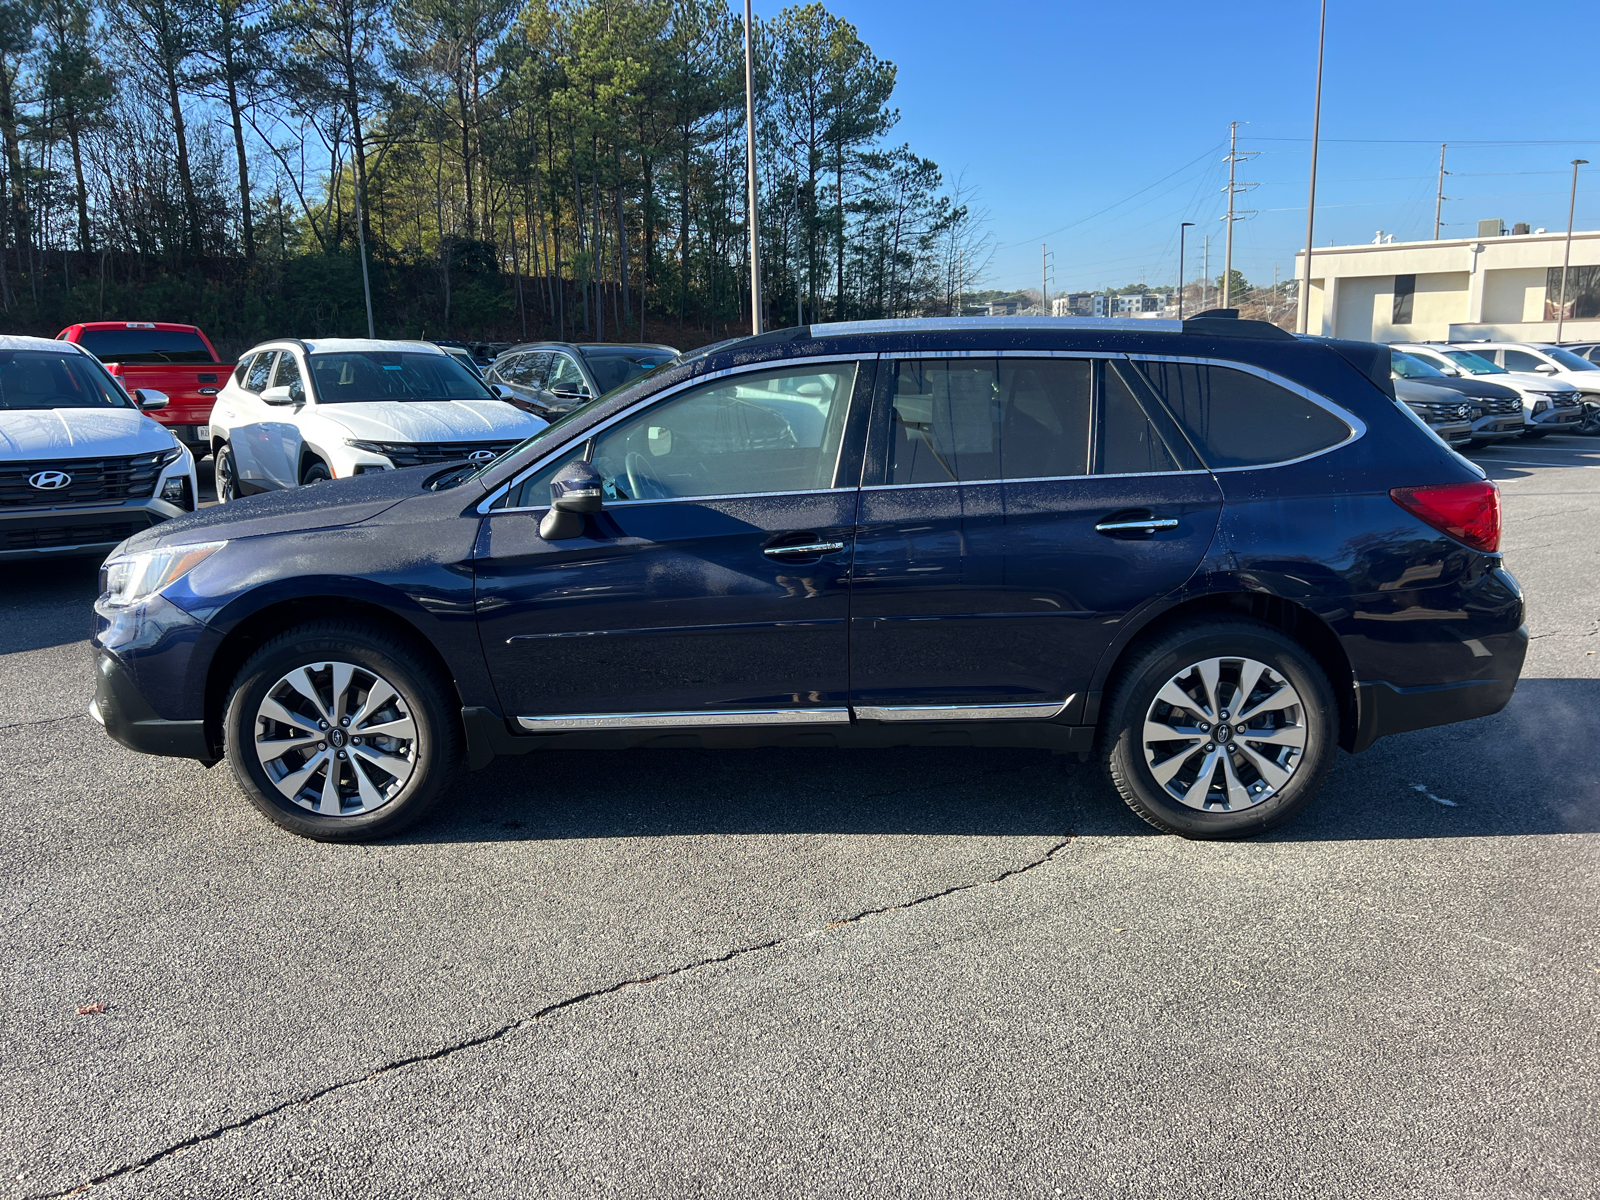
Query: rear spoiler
<point x="1370" y="358"/>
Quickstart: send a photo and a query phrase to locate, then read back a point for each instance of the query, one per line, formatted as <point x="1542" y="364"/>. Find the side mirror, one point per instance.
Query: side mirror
<point x="504" y="392"/>
<point x="148" y="399"/>
<point x="1453" y="372"/>
<point x="575" y="491"/>
<point x="1545" y="369"/>
<point x="277" y="395"/>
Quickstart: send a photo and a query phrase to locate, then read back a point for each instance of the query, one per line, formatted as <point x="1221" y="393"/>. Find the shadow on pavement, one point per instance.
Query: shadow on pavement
<point x="1495" y="773"/>
<point x="49" y="603"/>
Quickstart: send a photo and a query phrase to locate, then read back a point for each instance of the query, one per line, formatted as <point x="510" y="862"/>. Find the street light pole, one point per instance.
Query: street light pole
<point x="750" y="172"/>
<point x="1311" y="199"/>
<point x="1566" y="256"/>
<point x="1181" y="228"/>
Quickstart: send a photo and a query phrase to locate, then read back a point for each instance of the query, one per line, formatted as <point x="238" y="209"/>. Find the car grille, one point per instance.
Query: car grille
<point x="417" y="454"/>
<point x="1443" y="411"/>
<point x="1492" y="408"/>
<point x="53" y="536"/>
<point x="94" y="480"/>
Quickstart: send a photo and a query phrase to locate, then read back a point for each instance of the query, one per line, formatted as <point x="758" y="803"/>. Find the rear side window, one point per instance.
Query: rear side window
<point x="1236" y="419"/>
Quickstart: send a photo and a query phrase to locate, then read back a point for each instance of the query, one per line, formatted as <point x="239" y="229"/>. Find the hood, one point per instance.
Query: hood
<point x="67" y="433"/>
<point x="1415" y="392"/>
<point x="329" y="505"/>
<point x="1541" y="383"/>
<point x="1473" y="385"/>
<point x="433" y="420"/>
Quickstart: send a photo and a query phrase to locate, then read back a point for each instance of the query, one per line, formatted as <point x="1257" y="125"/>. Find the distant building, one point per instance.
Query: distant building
<point x="1498" y="285"/>
<point x="1002" y="308"/>
<point x="1073" y="304"/>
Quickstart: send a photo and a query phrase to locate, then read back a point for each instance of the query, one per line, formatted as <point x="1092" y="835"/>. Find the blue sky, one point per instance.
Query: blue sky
<point x="1055" y="111"/>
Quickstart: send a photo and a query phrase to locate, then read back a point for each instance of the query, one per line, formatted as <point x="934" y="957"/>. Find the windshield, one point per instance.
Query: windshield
<point x="1473" y="364"/>
<point x="357" y="376"/>
<point x="145" y="346"/>
<point x="55" y="379"/>
<point x="1413" y="368"/>
<point x="1569" y="360"/>
<point x="613" y="368"/>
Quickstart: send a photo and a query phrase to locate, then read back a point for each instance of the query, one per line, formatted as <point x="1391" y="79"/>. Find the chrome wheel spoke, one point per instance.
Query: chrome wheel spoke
<point x="1175" y="745"/>
<point x="284" y="733"/>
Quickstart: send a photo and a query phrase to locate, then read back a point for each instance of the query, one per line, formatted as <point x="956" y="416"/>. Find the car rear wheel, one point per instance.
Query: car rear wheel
<point x="339" y="732"/>
<point x="225" y="474"/>
<point x="1220" y="729"/>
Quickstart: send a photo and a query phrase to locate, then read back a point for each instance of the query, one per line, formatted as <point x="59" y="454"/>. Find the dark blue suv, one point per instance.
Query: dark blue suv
<point x="1208" y="553"/>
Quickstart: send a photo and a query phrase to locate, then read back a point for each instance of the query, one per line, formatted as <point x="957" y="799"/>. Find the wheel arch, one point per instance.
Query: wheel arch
<point x="1294" y="620"/>
<point x="258" y="628"/>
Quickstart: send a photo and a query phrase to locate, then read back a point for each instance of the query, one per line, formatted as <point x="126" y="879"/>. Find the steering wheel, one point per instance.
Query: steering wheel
<point x="643" y="483"/>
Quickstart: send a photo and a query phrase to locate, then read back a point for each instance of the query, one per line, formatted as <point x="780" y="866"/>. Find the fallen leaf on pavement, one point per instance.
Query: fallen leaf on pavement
<point x="85" y="1010"/>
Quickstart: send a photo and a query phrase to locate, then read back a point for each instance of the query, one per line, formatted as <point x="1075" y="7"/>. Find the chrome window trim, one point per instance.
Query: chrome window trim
<point x="899" y="355"/>
<point x="488" y="501"/>
<point x="962" y="712"/>
<point x="688" y="720"/>
<point x="898" y="487"/>
<point x="610" y="504"/>
<point x="1357" y="427"/>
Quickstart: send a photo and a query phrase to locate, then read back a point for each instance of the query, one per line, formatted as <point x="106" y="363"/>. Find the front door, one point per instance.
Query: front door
<point x="1018" y="508"/>
<point x="714" y="587"/>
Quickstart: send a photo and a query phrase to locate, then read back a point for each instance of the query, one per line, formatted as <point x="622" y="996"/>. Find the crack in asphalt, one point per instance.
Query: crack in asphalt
<point x="43" y="721"/>
<point x="548" y="1010"/>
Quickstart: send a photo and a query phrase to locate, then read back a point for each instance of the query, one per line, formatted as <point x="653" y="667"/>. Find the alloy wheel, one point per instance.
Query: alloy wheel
<point x="1225" y="734"/>
<point x="336" y="739"/>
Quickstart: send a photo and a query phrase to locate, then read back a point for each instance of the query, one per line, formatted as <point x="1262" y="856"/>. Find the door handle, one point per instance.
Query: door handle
<point x="804" y="548"/>
<point x="1148" y="525"/>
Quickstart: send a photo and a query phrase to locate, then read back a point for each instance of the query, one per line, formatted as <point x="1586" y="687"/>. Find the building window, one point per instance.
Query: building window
<point x="1405" y="287"/>
<point x="1583" y="293"/>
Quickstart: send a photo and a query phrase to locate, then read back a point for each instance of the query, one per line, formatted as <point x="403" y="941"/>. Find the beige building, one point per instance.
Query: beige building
<point x="1504" y="288"/>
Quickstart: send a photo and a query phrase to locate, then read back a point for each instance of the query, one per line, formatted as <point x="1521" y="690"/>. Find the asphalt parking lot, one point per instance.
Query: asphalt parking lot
<point x="931" y="972"/>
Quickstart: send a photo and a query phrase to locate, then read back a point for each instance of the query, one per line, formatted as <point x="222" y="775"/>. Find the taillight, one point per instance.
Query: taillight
<point x="1468" y="512"/>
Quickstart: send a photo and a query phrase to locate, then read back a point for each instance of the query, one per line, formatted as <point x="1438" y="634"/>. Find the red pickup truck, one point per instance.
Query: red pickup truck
<point x="176" y="359"/>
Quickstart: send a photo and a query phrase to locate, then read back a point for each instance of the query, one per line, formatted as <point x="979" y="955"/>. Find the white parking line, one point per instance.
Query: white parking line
<point x="1517" y="462"/>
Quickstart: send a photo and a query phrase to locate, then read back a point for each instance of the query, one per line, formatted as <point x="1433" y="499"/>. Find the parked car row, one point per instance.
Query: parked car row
<point x="1521" y="389"/>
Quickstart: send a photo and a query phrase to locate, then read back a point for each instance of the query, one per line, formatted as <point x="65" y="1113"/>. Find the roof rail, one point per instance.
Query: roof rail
<point x="1224" y="322"/>
<point x="934" y="324"/>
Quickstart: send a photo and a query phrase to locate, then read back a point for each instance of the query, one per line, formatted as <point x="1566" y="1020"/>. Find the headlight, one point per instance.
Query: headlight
<point x="369" y="447"/>
<point x="134" y="577"/>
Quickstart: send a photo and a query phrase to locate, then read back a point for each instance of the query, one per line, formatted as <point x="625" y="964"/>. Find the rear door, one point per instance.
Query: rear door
<point x="714" y="587"/>
<point x="1017" y="509"/>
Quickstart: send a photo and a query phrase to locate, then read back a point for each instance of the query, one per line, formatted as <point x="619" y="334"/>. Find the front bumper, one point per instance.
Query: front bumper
<point x="1496" y="427"/>
<point x="130" y="720"/>
<point x="1557" y="417"/>
<point x="33" y="534"/>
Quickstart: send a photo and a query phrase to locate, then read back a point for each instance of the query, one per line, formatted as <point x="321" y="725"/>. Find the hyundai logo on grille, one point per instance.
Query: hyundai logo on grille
<point x="49" y="481"/>
<point x="1463" y="411"/>
<point x="480" y="456"/>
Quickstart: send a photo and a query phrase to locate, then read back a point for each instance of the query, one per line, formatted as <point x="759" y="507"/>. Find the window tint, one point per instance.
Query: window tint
<point x="1521" y="360"/>
<point x="1409" y="367"/>
<point x="144" y="346"/>
<point x="1236" y="419"/>
<point x="614" y="366"/>
<point x="356" y="376"/>
<point x="287" y="374"/>
<point x="55" y="379"/>
<point x="772" y="432"/>
<point x="1128" y="445"/>
<point x="514" y="368"/>
<point x="1473" y="364"/>
<point x="991" y="418"/>
<point x="240" y="370"/>
<point x="565" y="375"/>
<point x="260" y="371"/>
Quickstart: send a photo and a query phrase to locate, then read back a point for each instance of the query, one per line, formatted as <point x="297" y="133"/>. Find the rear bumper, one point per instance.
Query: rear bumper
<point x="1382" y="708"/>
<point x="132" y="722"/>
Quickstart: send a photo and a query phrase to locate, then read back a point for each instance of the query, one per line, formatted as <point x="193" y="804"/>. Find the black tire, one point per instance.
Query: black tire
<point x="1134" y="691"/>
<point x="1589" y="424"/>
<point x="315" y="471"/>
<point x="225" y="474"/>
<point x="434" y="753"/>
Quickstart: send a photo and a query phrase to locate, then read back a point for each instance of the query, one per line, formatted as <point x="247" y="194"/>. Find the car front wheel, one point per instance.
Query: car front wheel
<point x="1220" y="729"/>
<point x="339" y="732"/>
<point x="225" y="473"/>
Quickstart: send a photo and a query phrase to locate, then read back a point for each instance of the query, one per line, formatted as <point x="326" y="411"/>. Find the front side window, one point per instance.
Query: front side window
<point x="256" y="379"/>
<point x="613" y="366"/>
<point x="361" y="376"/>
<point x="772" y="431"/>
<point x="565" y="375"/>
<point x="1407" y="367"/>
<point x="287" y="374"/>
<point x="1521" y="360"/>
<point x="39" y="379"/>
<point x="1237" y="419"/>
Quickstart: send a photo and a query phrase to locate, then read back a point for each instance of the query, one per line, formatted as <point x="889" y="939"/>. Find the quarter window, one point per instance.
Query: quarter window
<point x="1236" y="419"/>
<point x="255" y="379"/>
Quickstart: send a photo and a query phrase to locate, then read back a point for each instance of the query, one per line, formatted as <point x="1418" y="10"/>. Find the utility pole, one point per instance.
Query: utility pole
<point x="1438" y="200"/>
<point x="1566" y="256"/>
<point x="1234" y="158"/>
<point x="1181" y="228"/>
<point x="750" y="172"/>
<point x="1044" y="280"/>
<point x="1311" y="199"/>
<point x="1205" y="277"/>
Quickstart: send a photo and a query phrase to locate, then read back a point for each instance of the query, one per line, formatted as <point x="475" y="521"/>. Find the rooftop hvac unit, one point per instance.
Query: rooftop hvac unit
<point x="1520" y="228"/>
<point x="1491" y="228"/>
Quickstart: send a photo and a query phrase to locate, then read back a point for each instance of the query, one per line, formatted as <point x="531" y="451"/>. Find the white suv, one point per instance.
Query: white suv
<point x="1549" y="362"/>
<point x="1549" y="404"/>
<point x="81" y="466"/>
<point x="296" y="412"/>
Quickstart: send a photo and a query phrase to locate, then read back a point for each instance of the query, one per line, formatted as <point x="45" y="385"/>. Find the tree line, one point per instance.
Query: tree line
<point x="491" y="168"/>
